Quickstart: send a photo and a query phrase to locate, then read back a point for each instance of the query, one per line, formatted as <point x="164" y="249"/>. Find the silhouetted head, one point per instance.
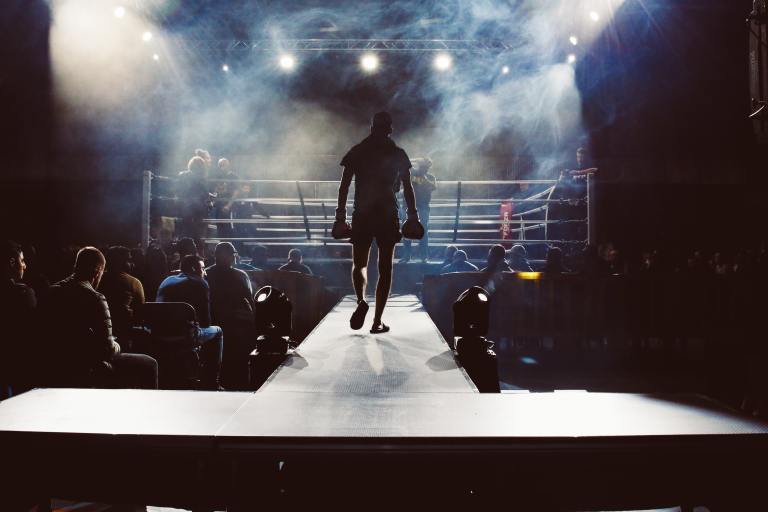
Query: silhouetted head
<point x="205" y="155"/>
<point x="14" y="266"/>
<point x="381" y="124"/>
<point x="186" y="246"/>
<point x="118" y="259"/>
<point x="295" y="255"/>
<point x="192" y="265"/>
<point x="496" y="255"/>
<point x="89" y="265"/>
<point x="518" y="252"/>
<point x="459" y="256"/>
<point x="554" y="256"/>
<point x="581" y="155"/>
<point x="224" y="164"/>
<point x="197" y="165"/>
<point x="225" y="254"/>
<point x="449" y="252"/>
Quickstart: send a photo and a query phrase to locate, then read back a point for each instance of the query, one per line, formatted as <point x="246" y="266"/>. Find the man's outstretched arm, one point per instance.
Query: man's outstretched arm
<point x="346" y="181"/>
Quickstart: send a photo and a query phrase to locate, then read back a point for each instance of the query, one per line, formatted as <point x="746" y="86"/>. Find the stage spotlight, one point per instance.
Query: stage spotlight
<point x="571" y="58"/>
<point x="470" y="325"/>
<point x="287" y="62"/>
<point x="225" y="68"/>
<point x="369" y="62"/>
<point x="272" y="312"/>
<point x="505" y="70"/>
<point x="146" y="37"/>
<point x="443" y="62"/>
<point x="574" y="40"/>
<point x="155" y="57"/>
<point x="119" y="11"/>
<point x="470" y="313"/>
<point x="594" y="16"/>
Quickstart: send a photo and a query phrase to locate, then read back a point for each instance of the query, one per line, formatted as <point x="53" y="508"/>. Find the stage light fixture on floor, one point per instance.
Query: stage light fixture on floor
<point x="119" y="11"/>
<point x="272" y="317"/>
<point x="146" y="36"/>
<point x="287" y="62"/>
<point x="470" y="324"/>
<point x="443" y="62"/>
<point x="369" y="62"/>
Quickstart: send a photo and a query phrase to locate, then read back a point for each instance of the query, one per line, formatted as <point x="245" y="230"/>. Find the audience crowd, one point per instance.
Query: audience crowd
<point x="81" y="306"/>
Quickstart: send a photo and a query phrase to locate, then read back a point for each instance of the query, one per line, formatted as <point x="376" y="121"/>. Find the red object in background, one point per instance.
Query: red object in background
<point x="505" y="213"/>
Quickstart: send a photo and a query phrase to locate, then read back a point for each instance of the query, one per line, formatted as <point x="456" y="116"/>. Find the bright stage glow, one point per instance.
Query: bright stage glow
<point x="574" y="40"/>
<point x="225" y="68"/>
<point x="528" y="276"/>
<point x="119" y="11"/>
<point x="287" y="62"/>
<point x="571" y="58"/>
<point x="155" y="57"/>
<point x="505" y="70"/>
<point x="594" y="16"/>
<point x="443" y="62"/>
<point x="369" y="62"/>
<point x="146" y="36"/>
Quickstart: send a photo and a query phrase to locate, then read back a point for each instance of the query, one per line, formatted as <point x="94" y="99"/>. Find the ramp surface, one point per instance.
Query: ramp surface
<point x="412" y="358"/>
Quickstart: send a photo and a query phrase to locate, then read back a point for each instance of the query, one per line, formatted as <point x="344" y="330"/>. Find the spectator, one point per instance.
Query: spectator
<point x="82" y="345"/>
<point x="554" y="264"/>
<point x="33" y="277"/>
<point x="239" y="264"/>
<point x="295" y="263"/>
<point x="460" y="264"/>
<point x="19" y="303"/>
<point x="232" y="309"/>
<point x="155" y="270"/>
<point x="518" y="259"/>
<point x="190" y="286"/>
<point x="448" y="255"/>
<point x="124" y="293"/>
<point x="260" y="256"/>
<point x="496" y="261"/>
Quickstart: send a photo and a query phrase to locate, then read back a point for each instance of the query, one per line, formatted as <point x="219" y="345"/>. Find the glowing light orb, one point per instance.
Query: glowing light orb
<point x="225" y="68"/>
<point x="443" y="62"/>
<point x="571" y="58"/>
<point x="119" y="11"/>
<point x="287" y="62"/>
<point x="594" y="16"/>
<point x="146" y="37"/>
<point x="155" y="57"/>
<point x="369" y="62"/>
<point x="574" y="40"/>
<point x="505" y="70"/>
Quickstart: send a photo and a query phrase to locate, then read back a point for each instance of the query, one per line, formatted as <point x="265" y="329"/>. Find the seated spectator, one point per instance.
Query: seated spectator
<point x="592" y="265"/>
<point x="554" y="264"/>
<point x="33" y="277"/>
<point x="448" y="255"/>
<point x="122" y="291"/>
<point x="155" y="270"/>
<point x="460" y="264"/>
<point x="190" y="286"/>
<point x="19" y="303"/>
<point x="80" y="332"/>
<point x="260" y="256"/>
<point x="184" y="247"/>
<point x="496" y="262"/>
<point x="232" y="309"/>
<point x="295" y="263"/>
<point x="230" y="289"/>
<point x="518" y="259"/>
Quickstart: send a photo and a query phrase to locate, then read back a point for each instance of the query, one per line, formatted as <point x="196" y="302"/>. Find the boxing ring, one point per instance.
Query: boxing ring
<point x="300" y="213"/>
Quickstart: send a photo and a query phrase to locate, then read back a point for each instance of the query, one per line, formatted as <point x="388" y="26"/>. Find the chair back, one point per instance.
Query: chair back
<point x="169" y="322"/>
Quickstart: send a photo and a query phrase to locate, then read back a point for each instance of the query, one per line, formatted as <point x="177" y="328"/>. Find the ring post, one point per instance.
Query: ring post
<point x="146" y="198"/>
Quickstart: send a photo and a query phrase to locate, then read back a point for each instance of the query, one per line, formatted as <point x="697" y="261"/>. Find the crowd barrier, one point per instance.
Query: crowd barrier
<point x="642" y="306"/>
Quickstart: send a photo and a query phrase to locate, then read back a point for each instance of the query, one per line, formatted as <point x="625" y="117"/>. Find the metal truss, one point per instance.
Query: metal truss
<point x="348" y="45"/>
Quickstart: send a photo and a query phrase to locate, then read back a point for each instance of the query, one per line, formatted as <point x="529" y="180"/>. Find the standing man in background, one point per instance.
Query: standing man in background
<point x="424" y="183"/>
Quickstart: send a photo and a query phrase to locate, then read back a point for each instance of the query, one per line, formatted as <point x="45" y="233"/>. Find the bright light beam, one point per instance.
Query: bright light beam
<point x="443" y="62"/>
<point x="369" y="62"/>
<point x="287" y="62"/>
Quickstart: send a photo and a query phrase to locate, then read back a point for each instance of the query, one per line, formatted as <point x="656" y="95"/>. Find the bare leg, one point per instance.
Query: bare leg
<point x="384" y="283"/>
<point x="360" y="254"/>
